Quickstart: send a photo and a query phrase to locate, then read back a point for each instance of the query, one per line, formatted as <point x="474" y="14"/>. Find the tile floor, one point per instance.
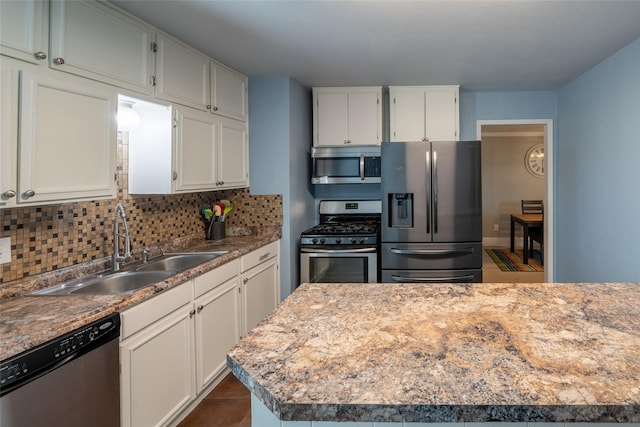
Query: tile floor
<point x="229" y="404"/>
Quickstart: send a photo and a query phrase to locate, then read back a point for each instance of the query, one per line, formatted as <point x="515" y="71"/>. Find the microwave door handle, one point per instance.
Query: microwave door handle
<point x="362" y="167"/>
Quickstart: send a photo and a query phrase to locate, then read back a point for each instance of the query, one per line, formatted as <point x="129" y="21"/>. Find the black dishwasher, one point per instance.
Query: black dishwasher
<point x="72" y="380"/>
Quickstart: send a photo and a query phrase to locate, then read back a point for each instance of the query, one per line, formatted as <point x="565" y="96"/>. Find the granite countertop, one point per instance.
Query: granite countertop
<point x="448" y="353"/>
<point x="27" y="321"/>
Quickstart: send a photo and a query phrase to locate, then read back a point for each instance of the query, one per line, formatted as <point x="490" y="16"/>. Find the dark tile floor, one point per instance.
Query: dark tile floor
<point x="228" y="405"/>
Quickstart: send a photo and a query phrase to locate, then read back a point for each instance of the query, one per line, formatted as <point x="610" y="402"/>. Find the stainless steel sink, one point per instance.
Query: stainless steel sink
<point x="179" y="262"/>
<point x="124" y="282"/>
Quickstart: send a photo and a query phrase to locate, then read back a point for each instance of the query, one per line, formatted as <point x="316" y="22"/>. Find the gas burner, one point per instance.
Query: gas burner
<point x="343" y="228"/>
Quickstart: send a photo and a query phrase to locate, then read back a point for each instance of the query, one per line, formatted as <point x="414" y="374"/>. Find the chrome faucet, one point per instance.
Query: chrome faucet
<point x="117" y="258"/>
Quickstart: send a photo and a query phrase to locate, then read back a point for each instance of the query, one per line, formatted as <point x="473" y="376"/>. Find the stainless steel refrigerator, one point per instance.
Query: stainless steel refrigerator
<point x="431" y="212"/>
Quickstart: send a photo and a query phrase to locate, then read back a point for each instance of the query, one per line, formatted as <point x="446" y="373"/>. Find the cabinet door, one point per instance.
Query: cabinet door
<point x="260" y="290"/>
<point x="365" y="121"/>
<point x="407" y="114"/>
<point x="67" y="146"/>
<point x="157" y="371"/>
<point x="217" y="330"/>
<point x="441" y="110"/>
<point x="195" y="150"/>
<point x="331" y="125"/>
<point x="24" y="29"/>
<point x="228" y="93"/>
<point x="94" y="40"/>
<point x="182" y="74"/>
<point x="232" y="165"/>
<point x="8" y="133"/>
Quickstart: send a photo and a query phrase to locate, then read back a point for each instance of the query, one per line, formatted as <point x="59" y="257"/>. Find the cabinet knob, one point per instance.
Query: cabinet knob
<point x="346" y="141"/>
<point x="40" y="55"/>
<point x="28" y="193"/>
<point x="246" y="279"/>
<point x="9" y="194"/>
<point x="208" y="107"/>
<point x="215" y="108"/>
<point x="192" y="313"/>
<point x="174" y="175"/>
<point x="58" y="61"/>
<point x="200" y="307"/>
<point x="425" y="139"/>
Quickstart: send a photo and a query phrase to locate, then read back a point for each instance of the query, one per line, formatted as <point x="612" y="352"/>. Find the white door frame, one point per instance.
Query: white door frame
<point x="548" y="178"/>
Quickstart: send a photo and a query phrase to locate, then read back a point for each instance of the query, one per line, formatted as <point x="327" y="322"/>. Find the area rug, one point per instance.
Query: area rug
<point x="509" y="261"/>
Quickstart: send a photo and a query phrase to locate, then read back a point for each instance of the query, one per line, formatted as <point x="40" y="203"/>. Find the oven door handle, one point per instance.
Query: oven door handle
<point x="338" y="251"/>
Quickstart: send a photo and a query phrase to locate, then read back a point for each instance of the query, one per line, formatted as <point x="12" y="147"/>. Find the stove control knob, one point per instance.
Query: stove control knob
<point x="322" y="241"/>
<point x="362" y="241"/>
<point x="353" y="241"/>
<point x="338" y="241"/>
<point x="314" y="241"/>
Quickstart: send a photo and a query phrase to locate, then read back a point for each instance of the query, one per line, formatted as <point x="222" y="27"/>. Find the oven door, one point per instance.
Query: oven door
<point x="328" y="265"/>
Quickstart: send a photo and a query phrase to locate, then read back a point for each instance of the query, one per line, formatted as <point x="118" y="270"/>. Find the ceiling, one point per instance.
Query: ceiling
<point x="481" y="45"/>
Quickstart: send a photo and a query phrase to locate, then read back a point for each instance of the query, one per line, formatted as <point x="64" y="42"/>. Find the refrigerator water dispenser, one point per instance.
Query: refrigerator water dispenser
<point x="401" y="210"/>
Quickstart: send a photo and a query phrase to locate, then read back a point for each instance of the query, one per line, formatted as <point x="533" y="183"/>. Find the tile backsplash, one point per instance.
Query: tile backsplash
<point x="48" y="237"/>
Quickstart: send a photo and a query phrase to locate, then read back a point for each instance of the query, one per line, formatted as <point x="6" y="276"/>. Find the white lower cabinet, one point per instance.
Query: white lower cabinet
<point x="260" y="285"/>
<point x="174" y="346"/>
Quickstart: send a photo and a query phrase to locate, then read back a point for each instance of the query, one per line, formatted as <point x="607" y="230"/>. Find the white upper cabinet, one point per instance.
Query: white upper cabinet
<point x="94" y="40"/>
<point x="421" y="113"/>
<point x="8" y="134"/>
<point x="347" y="116"/>
<point x="182" y="73"/>
<point x="67" y="139"/>
<point x="24" y="30"/>
<point x="228" y="92"/>
<point x="232" y="164"/>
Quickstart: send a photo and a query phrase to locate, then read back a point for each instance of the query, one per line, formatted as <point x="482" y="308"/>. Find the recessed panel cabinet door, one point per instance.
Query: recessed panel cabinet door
<point x="232" y="164"/>
<point x="364" y="115"/>
<point x="228" y="93"/>
<point x="93" y="40"/>
<point x="24" y="29"/>
<point x="441" y="109"/>
<point x="195" y="150"/>
<point x="407" y="114"/>
<point x="331" y="119"/>
<point x="67" y="146"/>
<point x="8" y="133"/>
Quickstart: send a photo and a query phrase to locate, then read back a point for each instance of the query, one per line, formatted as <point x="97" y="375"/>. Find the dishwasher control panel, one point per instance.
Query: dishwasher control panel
<point x="29" y="365"/>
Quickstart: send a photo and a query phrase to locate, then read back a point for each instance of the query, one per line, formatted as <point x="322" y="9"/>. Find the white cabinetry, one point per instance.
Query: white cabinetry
<point x="92" y="39"/>
<point x="66" y="138"/>
<point x="347" y="115"/>
<point x="24" y="30"/>
<point x="421" y="113"/>
<point x="228" y="92"/>
<point x="198" y="152"/>
<point x="182" y="73"/>
<point x="174" y="346"/>
<point x="260" y="284"/>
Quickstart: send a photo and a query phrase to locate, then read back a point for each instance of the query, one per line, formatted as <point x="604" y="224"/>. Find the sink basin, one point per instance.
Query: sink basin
<point x="117" y="283"/>
<point x="180" y="262"/>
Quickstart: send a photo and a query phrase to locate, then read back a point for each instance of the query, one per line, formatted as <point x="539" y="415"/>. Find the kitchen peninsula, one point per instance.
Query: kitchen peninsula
<point x="430" y="353"/>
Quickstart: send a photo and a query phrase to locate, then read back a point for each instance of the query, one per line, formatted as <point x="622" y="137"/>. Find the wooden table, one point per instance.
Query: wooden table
<point x="527" y="221"/>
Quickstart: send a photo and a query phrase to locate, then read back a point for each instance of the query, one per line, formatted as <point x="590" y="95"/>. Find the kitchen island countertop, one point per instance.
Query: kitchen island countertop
<point x="448" y="353"/>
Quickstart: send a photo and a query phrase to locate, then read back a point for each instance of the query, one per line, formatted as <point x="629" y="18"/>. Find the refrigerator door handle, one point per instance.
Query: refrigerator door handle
<point x="362" y="167"/>
<point x="432" y="252"/>
<point x="428" y="187"/>
<point x="435" y="191"/>
<point x="403" y="279"/>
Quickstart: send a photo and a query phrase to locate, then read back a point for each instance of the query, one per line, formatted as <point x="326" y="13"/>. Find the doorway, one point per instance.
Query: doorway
<point x="529" y="133"/>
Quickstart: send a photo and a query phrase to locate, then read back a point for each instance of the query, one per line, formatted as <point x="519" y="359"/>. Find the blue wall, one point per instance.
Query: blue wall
<point x="598" y="172"/>
<point x="279" y="141"/>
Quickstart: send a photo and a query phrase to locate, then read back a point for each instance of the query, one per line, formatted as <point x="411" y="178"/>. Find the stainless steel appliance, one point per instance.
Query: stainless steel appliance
<point x="431" y="212"/>
<point x="358" y="164"/>
<point x="71" y="381"/>
<point x="343" y="248"/>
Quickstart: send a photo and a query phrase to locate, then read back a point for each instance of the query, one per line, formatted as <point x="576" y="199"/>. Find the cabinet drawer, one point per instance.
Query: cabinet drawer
<point x="147" y="312"/>
<point x="258" y="256"/>
<point x="216" y="277"/>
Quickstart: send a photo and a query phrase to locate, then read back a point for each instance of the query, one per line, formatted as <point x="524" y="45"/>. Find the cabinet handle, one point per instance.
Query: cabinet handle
<point x="174" y="175"/>
<point x="246" y="279"/>
<point x="200" y="307"/>
<point x="58" y="61"/>
<point x="346" y="141"/>
<point x="215" y="108"/>
<point x="265" y="256"/>
<point x="29" y="193"/>
<point x="192" y="313"/>
<point x="9" y="194"/>
<point x="425" y="139"/>
<point x="40" y="55"/>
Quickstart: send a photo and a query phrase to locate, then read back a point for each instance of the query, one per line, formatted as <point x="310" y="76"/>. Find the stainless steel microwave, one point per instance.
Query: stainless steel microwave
<point x="359" y="164"/>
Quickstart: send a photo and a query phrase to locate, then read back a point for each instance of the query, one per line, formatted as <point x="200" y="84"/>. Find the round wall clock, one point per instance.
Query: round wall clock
<point x="534" y="160"/>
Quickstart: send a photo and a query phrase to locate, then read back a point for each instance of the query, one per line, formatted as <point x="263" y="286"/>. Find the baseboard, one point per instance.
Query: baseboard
<point x="501" y="242"/>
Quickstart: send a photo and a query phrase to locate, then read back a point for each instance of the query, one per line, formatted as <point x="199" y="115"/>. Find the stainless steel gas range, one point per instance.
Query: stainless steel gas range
<point x="343" y="248"/>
